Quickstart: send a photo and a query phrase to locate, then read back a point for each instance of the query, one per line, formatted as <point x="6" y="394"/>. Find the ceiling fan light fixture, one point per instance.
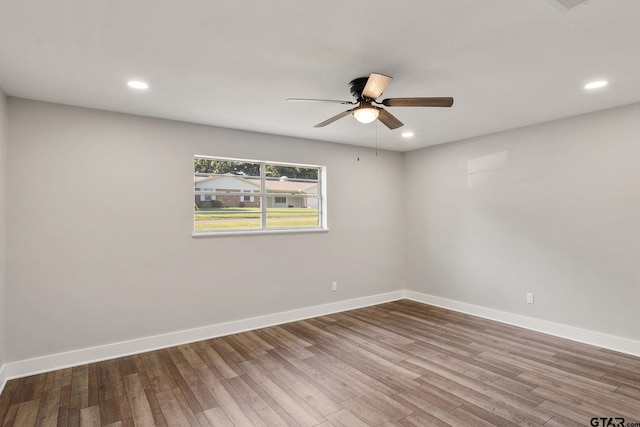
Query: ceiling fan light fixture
<point x="365" y="113"/>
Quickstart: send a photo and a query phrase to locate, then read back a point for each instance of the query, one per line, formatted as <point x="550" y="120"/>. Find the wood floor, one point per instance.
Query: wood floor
<point x="396" y="364"/>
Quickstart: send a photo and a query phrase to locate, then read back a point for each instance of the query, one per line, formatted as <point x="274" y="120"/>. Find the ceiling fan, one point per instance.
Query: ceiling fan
<point x="366" y="91"/>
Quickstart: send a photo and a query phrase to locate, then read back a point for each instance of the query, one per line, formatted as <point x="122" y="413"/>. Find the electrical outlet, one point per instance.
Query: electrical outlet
<point x="529" y="298"/>
<point x="334" y="286"/>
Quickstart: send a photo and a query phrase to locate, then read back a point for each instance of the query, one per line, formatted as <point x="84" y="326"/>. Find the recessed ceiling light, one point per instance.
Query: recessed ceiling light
<point x="136" y="84"/>
<point x="595" y="85"/>
<point x="407" y="134"/>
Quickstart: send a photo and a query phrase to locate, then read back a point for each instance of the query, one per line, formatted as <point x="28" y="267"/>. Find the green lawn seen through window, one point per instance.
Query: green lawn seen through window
<point x="233" y="218"/>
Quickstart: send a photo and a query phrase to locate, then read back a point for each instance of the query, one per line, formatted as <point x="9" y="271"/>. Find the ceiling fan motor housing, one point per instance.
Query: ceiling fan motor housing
<point x="356" y="86"/>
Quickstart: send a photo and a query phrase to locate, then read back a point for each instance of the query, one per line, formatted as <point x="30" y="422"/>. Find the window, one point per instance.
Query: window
<point x="206" y="197"/>
<point x="240" y="196"/>
<point x="247" y="198"/>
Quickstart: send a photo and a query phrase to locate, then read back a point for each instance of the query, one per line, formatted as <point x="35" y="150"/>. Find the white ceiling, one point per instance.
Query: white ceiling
<point x="233" y="63"/>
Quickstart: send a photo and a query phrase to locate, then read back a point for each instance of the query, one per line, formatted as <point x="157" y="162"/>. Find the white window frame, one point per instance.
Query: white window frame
<point x="263" y="196"/>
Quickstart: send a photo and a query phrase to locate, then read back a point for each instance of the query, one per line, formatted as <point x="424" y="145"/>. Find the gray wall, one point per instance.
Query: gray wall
<point x="99" y="220"/>
<point x="3" y="222"/>
<point x="552" y="209"/>
<point x="99" y="216"/>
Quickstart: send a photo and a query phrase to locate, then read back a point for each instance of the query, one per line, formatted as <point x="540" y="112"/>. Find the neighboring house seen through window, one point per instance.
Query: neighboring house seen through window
<point x="237" y="195"/>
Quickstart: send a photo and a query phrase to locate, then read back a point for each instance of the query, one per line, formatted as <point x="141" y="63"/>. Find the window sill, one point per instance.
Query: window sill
<point x="257" y="232"/>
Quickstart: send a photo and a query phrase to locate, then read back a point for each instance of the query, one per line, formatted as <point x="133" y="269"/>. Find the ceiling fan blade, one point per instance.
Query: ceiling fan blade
<point x="333" y="119"/>
<point x="389" y="119"/>
<point x="332" y="101"/>
<point x="418" y="102"/>
<point x="376" y="84"/>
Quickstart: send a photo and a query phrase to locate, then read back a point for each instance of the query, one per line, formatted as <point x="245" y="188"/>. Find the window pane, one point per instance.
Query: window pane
<point x="287" y="186"/>
<point x="226" y="184"/>
<point x="226" y="218"/>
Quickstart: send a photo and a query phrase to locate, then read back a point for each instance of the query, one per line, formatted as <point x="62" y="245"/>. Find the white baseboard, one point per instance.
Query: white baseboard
<point x="3" y="377"/>
<point x="611" y="342"/>
<point x="109" y="351"/>
<point x="83" y="356"/>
